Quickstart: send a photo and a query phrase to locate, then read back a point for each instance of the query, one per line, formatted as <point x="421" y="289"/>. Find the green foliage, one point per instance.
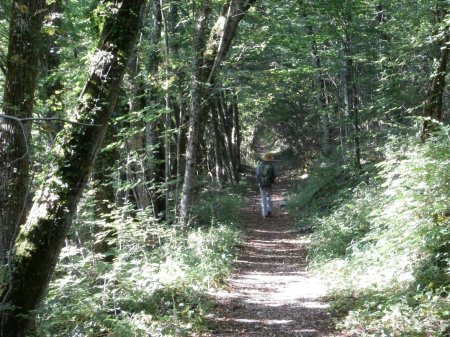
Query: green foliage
<point x="384" y="234"/>
<point x="383" y="245"/>
<point x="4" y="25"/>
<point x="152" y="280"/>
<point x="316" y="192"/>
<point x="217" y="206"/>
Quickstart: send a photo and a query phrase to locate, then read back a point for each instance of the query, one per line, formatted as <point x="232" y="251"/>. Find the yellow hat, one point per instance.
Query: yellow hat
<point x="267" y="156"/>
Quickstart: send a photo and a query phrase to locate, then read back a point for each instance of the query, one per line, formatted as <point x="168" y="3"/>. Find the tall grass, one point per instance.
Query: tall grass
<point x="383" y="243"/>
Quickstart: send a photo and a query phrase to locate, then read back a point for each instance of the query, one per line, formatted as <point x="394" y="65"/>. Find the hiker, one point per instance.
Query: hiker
<point x="265" y="174"/>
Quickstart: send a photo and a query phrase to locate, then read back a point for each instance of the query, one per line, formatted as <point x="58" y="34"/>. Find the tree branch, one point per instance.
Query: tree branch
<point x="21" y="120"/>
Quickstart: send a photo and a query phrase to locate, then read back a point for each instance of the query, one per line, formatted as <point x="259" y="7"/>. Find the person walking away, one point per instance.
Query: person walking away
<point x="265" y="175"/>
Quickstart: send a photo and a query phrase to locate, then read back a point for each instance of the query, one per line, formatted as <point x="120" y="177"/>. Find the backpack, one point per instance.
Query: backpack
<point x="266" y="174"/>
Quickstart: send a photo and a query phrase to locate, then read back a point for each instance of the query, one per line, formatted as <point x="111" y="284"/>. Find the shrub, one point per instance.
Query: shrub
<point x="383" y="246"/>
<point x="154" y="284"/>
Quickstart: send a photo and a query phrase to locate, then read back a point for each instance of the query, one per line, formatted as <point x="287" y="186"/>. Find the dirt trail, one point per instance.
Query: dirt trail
<point x="270" y="292"/>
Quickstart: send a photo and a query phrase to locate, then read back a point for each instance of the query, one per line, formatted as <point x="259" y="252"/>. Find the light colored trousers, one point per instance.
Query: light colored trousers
<point x="266" y="200"/>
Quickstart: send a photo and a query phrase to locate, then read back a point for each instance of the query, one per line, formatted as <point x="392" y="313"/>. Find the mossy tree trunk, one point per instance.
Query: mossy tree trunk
<point x="39" y="242"/>
<point x="15" y="134"/>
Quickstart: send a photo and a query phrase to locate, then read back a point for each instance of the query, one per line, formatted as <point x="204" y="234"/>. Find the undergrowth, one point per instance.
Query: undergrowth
<point x="151" y="281"/>
<point x="383" y="243"/>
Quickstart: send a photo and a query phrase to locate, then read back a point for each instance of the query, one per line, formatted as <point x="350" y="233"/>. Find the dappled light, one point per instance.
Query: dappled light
<point x="271" y="293"/>
<point x="233" y="168"/>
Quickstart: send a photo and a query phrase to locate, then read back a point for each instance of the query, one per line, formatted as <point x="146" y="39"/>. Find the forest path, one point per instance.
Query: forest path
<point x="270" y="292"/>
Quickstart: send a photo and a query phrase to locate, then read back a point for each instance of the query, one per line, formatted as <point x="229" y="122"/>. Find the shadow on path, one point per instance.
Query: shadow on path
<point x="270" y="292"/>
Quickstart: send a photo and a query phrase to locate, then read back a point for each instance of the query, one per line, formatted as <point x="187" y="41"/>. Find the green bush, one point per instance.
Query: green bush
<point x="152" y="281"/>
<point x="341" y="231"/>
<point x="218" y="206"/>
<point x="327" y="185"/>
<point x="384" y="246"/>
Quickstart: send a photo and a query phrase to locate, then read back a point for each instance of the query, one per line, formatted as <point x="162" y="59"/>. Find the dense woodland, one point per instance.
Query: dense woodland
<point x="128" y="129"/>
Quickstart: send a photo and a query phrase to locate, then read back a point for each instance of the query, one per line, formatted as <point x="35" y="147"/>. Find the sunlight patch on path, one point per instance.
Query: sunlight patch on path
<point x="271" y="293"/>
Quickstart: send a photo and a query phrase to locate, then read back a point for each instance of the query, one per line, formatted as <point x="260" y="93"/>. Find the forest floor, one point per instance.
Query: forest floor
<point x="270" y="292"/>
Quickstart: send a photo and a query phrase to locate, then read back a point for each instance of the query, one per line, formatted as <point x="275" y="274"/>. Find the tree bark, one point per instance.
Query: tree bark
<point x="432" y="110"/>
<point x="155" y="130"/>
<point x="217" y="148"/>
<point x="18" y="100"/>
<point x="218" y="44"/>
<point x="40" y="240"/>
<point x="351" y="98"/>
<point x="51" y="61"/>
<point x="196" y="96"/>
<point x="321" y="95"/>
<point x="104" y="191"/>
<point x="206" y="61"/>
<point x="135" y="145"/>
<point x="168" y="117"/>
<point x="236" y="135"/>
<point x="226" y="120"/>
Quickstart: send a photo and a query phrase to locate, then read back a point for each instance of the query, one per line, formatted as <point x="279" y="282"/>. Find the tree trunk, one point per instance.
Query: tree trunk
<point x="196" y="97"/>
<point x="321" y="96"/>
<point x="217" y="148"/>
<point x="104" y="191"/>
<point x="206" y="61"/>
<point x="352" y="98"/>
<point x="182" y="125"/>
<point x="432" y="110"/>
<point x="18" y="100"/>
<point x="177" y="103"/>
<point x="167" y="117"/>
<point x="226" y="118"/>
<point x="219" y="43"/>
<point x="155" y="130"/>
<point x="52" y="93"/>
<point x="236" y="136"/>
<point x="40" y="240"/>
<point x="136" y="145"/>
